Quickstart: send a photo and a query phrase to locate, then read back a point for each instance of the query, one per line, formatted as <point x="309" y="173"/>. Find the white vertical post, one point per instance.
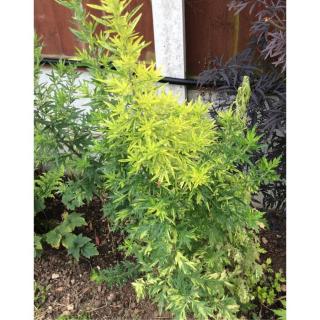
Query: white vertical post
<point x="169" y="38"/>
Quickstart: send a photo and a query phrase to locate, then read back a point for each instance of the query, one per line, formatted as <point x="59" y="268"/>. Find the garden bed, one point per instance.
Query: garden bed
<point x="64" y="286"/>
<point x="69" y="288"/>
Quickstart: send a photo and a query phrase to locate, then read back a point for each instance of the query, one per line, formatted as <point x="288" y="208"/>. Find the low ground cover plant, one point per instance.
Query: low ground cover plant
<point x="177" y="183"/>
<point x="281" y="313"/>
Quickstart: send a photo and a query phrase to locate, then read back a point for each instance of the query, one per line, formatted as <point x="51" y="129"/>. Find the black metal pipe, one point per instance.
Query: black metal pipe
<point x="56" y="60"/>
<point x="170" y="80"/>
<point x="179" y="81"/>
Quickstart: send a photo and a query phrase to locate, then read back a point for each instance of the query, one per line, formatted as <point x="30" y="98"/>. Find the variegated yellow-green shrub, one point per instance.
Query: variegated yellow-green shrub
<point x="179" y="183"/>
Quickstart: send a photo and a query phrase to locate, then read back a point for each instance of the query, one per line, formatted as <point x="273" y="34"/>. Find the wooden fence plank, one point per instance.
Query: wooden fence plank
<point x="212" y="30"/>
<point x="52" y="23"/>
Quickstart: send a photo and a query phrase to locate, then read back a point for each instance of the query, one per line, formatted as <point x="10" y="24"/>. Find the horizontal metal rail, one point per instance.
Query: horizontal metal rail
<point x="170" y="80"/>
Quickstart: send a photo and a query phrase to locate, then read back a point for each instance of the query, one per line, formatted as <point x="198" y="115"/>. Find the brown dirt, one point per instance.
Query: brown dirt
<point x="72" y="292"/>
<point x="273" y="239"/>
<point x="69" y="290"/>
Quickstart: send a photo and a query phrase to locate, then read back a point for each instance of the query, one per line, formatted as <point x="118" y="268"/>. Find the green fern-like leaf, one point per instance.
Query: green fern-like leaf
<point x="117" y="275"/>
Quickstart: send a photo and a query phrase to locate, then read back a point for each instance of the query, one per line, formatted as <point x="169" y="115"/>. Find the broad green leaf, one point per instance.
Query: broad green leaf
<point x="89" y="250"/>
<point x="53" y="238"/>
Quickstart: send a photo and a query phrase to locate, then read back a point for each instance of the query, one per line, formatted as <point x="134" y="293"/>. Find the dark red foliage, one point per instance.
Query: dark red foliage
<point x="269" y="29"/>
<point x="264" y="61"/>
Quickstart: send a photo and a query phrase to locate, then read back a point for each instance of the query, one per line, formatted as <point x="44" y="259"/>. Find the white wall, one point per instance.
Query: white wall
<point x="190" y="94"/>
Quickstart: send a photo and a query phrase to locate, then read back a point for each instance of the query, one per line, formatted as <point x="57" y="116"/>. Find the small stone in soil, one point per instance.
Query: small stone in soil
<point x="111" y="297"/>
<point x="55" y="276"/>
<point x="70" y="307"/>
<point x="98" y="303"/>
<point x="59" y="289"/>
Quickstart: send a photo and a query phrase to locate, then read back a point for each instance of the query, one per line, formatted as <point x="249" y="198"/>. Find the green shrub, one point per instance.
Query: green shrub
<point x="62" y="129"/>
<point x="271" y="287"/>
<point x="64" y="164"/>
<point x="281" y="313"/>
<point x="180" y="184"/>
<point x="76" y="244"/>
<point x="46" y="185"/>
<point x="40" y="294"/>
<point x="117" y="275"/>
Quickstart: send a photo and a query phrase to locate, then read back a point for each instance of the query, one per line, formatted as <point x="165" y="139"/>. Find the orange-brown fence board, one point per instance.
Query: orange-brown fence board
<point x="52" y="23"/>
<point x="145" y="27"/>
<point x="212" y="30"/>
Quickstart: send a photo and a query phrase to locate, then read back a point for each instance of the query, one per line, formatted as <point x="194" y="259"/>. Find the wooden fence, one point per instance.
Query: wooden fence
<point x="210" y="30"/>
